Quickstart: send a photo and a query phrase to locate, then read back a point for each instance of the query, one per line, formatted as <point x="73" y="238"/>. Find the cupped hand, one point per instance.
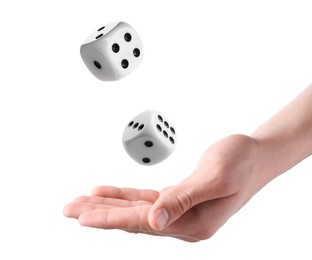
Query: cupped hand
<point x="226" y="178"/>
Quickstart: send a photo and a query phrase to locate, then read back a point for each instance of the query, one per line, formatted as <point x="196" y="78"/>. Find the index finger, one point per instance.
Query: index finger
<point x="126" y="193"/>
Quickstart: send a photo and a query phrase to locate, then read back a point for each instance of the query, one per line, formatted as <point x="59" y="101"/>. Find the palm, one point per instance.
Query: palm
<point x="129" y="210"/>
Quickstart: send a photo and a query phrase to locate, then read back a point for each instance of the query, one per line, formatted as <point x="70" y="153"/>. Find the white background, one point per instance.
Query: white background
<point x="214" y="68"/>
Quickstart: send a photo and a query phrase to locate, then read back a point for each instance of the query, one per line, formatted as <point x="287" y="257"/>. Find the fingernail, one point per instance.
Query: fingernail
<point x="161" y="218"/>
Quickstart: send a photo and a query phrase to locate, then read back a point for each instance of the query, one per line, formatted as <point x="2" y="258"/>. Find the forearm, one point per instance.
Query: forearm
<point x="286" y="138"/>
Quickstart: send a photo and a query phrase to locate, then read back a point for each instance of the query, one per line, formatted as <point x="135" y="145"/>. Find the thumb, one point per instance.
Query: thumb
<point x="172" y="203"/>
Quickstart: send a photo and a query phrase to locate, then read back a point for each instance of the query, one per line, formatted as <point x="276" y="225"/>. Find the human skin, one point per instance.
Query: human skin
<point x="228" y="175"/>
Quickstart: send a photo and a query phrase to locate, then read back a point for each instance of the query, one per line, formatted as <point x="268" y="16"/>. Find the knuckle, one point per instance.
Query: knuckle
<point x="183" y="201"/>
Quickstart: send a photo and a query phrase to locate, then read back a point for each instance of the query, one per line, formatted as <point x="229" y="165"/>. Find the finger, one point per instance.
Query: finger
<point x="125" y="193"/>
<point x="132" y="218"/>
<point x="74" y="210"/>
<point x="175" y="201"/>
<point x="109" y="201"/>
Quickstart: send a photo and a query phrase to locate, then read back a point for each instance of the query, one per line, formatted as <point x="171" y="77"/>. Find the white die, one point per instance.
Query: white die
<point x="149" y="138"/>
<point x="113" y="51"/>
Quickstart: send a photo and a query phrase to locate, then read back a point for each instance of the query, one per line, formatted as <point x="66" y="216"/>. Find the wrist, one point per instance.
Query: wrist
<point x="285" y="139"/>
<point x="270" y="163"/>
<point x="276" y="155"/>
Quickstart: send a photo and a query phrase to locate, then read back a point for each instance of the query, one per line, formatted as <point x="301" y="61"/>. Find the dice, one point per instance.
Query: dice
<point x="113" y="51"/>
<point x="149" y="138"/>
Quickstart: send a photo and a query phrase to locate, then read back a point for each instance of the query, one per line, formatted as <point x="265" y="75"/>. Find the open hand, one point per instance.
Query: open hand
<point x="225" y="179"/>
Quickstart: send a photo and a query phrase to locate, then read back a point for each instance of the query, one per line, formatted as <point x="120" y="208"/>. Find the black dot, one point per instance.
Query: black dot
<point x="146" y="160"/>
<point x="165" y="134"/>
<point x="141" y="127"/>
<point x="97" y="64"/>
<point x="135" y="125"/>
<point x="128" y="37"/>
<point x="115" y="48"/>
<point x="171" y="140"/>
<point x="131" y="123"/>
<point x="124" y="64"/>
<point x="160" y="118"/>
<point x="172" y="130"/>
<point x="99" y="36"/>
<point x="159" y="128"/>
<point x="148" y="143"/>
<point x="101" y="28"/>
<point x="166" y="124"/>
<point x="136" y="52"/>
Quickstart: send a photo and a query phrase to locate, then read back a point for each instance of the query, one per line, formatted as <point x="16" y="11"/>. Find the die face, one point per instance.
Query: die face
<point x="113" y="52"/>
<point x="99" y="33"/>
<point x="139" y="124"/>
<point x="165" y="130"/>
<point x="147" y="150"/>
<point x="125" y="49"/>
<point x="97" y="62"/>
<point x="149" y="138"/>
